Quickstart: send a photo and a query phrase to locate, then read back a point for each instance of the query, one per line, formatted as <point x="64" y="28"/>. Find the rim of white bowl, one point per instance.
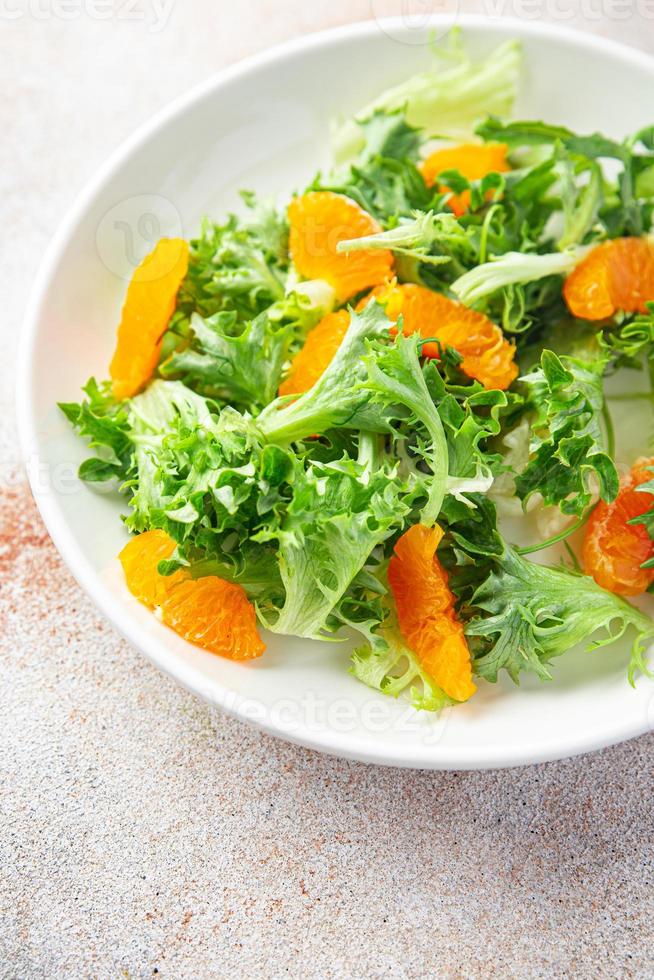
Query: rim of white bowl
<point x="343" y="745"/>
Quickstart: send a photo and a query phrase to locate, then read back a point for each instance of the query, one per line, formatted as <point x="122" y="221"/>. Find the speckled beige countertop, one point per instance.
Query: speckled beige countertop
<point x="141" y="832"/>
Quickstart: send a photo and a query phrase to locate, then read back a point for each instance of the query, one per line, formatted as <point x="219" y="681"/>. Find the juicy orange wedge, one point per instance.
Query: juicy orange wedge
<point x="148" y="307"/>
<point x="209" y="612"/>
<point x="472" y="160"/>
<point x="425" y="612"/>
<point x="614" y="550"/>
<point x="314" y="357"/>
<point x="616" y="275"/>
<point x="320" y="220"/>
<point x="215" y="615"/>
<point x="487" y="356"/>
<point x="140" y="558"/>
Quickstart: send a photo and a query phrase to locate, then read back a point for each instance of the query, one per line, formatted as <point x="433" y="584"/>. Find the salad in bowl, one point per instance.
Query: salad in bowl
<point x="380" y="410"/>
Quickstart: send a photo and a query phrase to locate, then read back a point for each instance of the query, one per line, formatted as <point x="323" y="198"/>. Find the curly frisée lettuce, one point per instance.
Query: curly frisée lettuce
<point x="302" y="499"/>
<point x="339" y="514"/>
<point x="567" y="449"/>
<point x="237" y="363"/>
<point x="390" y="667"/>
<point x="528" y="614"/>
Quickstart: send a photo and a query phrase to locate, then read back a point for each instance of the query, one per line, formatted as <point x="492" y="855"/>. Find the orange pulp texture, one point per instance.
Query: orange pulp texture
<point x="616" y="275"/>
<point x="148" y="307"/>
<point x="487" y="356"/>
<point x="320" y="220"/>
<point x="614" y="550"/>
<point x="425" y="612"/>
<point x="209" y="612"/>
<point x="320" y="346"/>
<point x="472" y="160"/>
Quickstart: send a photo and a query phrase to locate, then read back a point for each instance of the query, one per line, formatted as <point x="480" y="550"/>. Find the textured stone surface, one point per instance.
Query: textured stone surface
<point x="142" y="832"/>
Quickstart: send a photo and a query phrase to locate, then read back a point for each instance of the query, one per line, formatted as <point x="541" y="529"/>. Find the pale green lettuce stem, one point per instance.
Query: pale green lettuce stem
<point x="512" y="268"/>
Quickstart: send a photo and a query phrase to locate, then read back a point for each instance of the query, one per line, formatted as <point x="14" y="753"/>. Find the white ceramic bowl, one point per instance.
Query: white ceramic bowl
<point x="264" y="124"/>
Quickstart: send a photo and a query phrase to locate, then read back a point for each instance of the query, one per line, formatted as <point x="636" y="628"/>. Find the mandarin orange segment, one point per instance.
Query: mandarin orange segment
<point x="319" y="348"/>
<point x="613" y="549"/>
<point x="148" y="307"/>
<point x="616" y="275"/>
<point x="320" y="220"/>
<point x="425" y="612"/>
<point x="140" y="558"/>
<point x="487" y="356"/>
<point x="214" y="614"/>
<point x="472" y="160"/>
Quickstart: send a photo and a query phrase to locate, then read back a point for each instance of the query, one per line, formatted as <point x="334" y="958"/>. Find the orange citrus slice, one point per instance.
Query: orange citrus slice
<point x="140" y="558"/>
<point x="314" y="357"/>
<point x="425" y="612"/>
<point x="214" y="614"/>
<point x="487" y="356"/>
<point x="613" y="549"/>
<point x="616" y="275"/>
<point x="472" y="160"/>
<point x="148" y="307"/>
<point x="320" y="220"/>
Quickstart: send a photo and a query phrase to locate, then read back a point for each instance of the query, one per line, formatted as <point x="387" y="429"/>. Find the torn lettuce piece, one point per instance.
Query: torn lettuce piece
<point x="626" y="209"/>
<point x="446" y="100"/>
<point x="387" y="665"/>
<point x="627" y="343"/>
<point x="252" y="566"/>
<point x="388" y="135"/>
<point x="471" y="415"/>
<point x="232" y="361"/>
<point x="104" y="422"/>
<point x="427" y="237"/>
<point x="526" y="614"/>
<point x="337" y="399"/>
<point x="580" y="204"/>
<point x="340" y="512"/>
<point x="372" y="387"/>
<point x="240" y="265"/>
<point x="306" y="302"/>
<point x="385" y="187"/>
<point x="186" y="454"/>
<point x="395" y="380"/>
<point x="510" y="269"/>
<point x="568" y="458"/>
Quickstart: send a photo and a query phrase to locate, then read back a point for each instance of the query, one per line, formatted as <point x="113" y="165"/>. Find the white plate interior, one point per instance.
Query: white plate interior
<point x="265" y="125"/>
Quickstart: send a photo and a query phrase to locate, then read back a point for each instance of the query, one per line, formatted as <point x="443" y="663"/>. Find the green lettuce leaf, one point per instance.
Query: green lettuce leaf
<point x="339" y="513"/>
<point x="426" y="237"/>
<point x="103" y="421"/>
<point x="235" y="362"/>
<point x="623" y="213"/>
<point x="388" y="136"/>
<point x="388" y="666"/>
<point x="628" y="342"/>
<point x="337" y="399"/>
<point x="527" y="614"/>
<point x="567" y="450"/>
<point x="446" y="100"/>
<point x="239" y="265"/>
